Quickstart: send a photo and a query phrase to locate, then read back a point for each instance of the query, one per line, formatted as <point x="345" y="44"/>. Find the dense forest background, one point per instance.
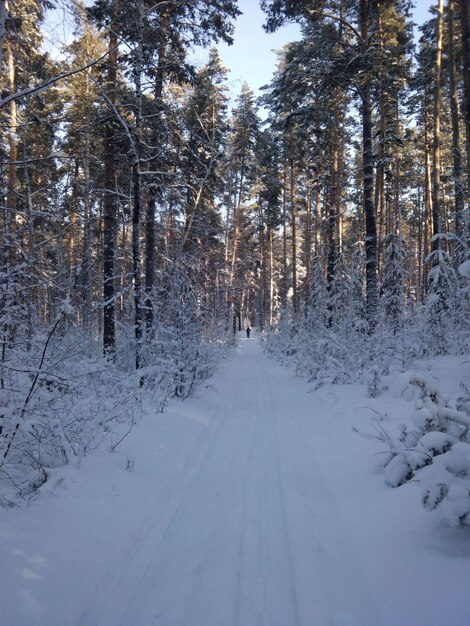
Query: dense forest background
<point x="144" y="220"/>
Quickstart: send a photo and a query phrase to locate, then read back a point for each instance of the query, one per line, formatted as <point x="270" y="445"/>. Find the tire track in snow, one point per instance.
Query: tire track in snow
<point x="193" y="579"/>
<point x="267" y="593"/>
<point x="121" y="586"/>
<point x="253" y="535"/>
<point x="322" y="542"/>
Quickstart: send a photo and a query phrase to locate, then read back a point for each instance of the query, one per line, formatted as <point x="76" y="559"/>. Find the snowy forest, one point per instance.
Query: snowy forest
<point x="147" y="217"/>
<point x="150" y="214"/>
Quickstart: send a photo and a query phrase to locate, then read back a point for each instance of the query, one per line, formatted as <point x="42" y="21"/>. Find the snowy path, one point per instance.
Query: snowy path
<point x="252" y="504"/>
<point x="252" y="535"/>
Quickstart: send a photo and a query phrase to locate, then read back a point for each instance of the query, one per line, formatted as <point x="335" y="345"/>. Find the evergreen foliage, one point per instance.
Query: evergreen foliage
<point x="165" y="217"/>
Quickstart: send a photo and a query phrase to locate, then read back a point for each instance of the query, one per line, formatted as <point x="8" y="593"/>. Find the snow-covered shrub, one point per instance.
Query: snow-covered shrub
<point x="57" y="401"/>
<point x="435" y="450"/>
<point x="443" y="303"/>
<point x="446" y="485"/>
<point x="186" y="343"/>
<point x="392" y="282"/>
<point x="374" y="380"/>
<point x="463" y="401"/>
<point x="329" y="342"/>
<point x="59" y="397"/>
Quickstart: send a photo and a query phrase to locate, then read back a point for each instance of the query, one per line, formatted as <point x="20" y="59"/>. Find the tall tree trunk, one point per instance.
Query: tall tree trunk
<point x="236" y="222"/>
<point x="427" y="190"/>
<point x="11" y="197"/>
<point x="262" y="269"/>
<point x="436" y="148"/>
<point x="71" y="244"/>
<point x="454" y="108"/>
<point x="137" y="203"/>
<point x="333" y="199"/>
<point x="293" y="200"/>
<point x="87" y="284"/>
<point x="394" y="225"/>
<point x="32" y="260"/>
<point x="308" y="244"/>
<point x="9" y="208"/>
<point x="368" y="185"/>
<point x="318" y="217"/>
<point x="156" y="190"/>
<point x="271" y="273"/>
<point x="136" y="261"/>
<point x="109" y="200"/>
<point x="380" y="169"/>
<point x="284" y="236"/>
<point x="465" y="31"/>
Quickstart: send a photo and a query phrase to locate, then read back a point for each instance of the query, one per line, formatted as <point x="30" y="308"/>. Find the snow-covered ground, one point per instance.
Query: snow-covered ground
<point x="253" y="504"/>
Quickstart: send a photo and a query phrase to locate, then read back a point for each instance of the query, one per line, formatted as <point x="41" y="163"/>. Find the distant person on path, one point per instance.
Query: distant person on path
<point x="248" y="331"/>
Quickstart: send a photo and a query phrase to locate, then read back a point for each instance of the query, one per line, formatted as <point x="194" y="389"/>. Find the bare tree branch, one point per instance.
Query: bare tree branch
<point x="22" y="93"/>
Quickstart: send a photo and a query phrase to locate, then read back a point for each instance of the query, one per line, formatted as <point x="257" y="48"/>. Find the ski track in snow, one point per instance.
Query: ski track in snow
<point x="251" y="536"/>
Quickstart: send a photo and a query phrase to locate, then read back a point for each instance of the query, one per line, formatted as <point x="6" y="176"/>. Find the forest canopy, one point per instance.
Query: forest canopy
<point x="144" y="219"/>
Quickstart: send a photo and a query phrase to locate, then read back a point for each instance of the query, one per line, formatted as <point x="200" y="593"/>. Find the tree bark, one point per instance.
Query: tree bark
<point x="137" y="203"/>
<point x="333" y="199"/>
<point x="368" y="186"/>
<point x="454" y="108"/>
<point x="109" y="201"/>
<point x="136" y="262"/>
<point x="427" y="229"/>
<point x="262" y="269"/>
<point x="293" y="200"/>
<point x="155" y="191"/>
<point x="308" y="244"/>
<point x="11" y="197"/>
<point x="284" y="236"/>
<point x="436" y="148"/>
<point x="465" y="32"/>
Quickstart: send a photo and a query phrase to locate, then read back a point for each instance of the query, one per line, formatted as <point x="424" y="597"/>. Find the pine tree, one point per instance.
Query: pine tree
<point x="392" y="282"/>
<point x="240" y="162"/>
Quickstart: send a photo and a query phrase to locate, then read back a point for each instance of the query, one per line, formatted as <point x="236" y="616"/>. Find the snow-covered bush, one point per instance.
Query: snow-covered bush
<point x="57" y="402"/>
<point x="374" y="380"/>
<point x="435" y="450"/>
<point x="392" y="282"/>
<point x="186" y="343"/>
<point x="446" y="485"/>
<point x="59" y="397"/>
<point x="329" y="343"/>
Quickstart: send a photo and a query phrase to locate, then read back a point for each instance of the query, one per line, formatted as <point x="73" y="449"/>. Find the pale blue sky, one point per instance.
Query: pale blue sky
<point x="252" y="58"/>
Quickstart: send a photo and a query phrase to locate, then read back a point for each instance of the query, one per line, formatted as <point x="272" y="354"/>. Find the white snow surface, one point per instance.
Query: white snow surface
<point x="253" y="504"/>
<point x="464" y="269"/>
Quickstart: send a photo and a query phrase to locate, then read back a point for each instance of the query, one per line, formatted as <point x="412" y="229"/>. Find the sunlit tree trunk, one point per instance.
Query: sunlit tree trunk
<point x="436" y="148"/>
<point x="11" y="195"/>
<point x="454" y="108"/>
<point x="109" y="201"/>
<point x="72" y="232"/>
<point x="284" y="237"/>
<point x="332" y="205"/>
<point x="293" y="209"/>
<point x="271" y="273"/>
<point x="465" y="31"/>
<point x="368" y="184"/>
<point x="262" y="269"/>
<point x="137" y="205"/>
<point x="308" y="244"/>
<point x="427" y="229"/>
<point x="379" y="199"/>
<point x="155" y="191"/>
